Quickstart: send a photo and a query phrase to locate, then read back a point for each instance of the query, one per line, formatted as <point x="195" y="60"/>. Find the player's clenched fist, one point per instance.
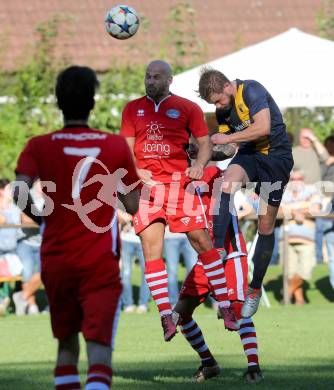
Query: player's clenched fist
<point x="219" y="139"/>
<point x="195" y="172"/>
<point x="145" y="176"/>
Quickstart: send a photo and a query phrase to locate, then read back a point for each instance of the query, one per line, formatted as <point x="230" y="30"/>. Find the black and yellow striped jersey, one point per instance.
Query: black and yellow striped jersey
<point x="252" y="97"/>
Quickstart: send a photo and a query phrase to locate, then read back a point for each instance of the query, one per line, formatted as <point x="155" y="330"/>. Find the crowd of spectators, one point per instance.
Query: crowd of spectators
<point x="306" y="205"/>
<point x="310" y="235"/>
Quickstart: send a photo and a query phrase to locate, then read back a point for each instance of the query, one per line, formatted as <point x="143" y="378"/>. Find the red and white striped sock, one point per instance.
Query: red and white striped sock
<point x="66" y="378"/>
<point x="156" y="278"/>
<point x="248" y="338"/>
<point x="192" y="332"/>
<point x="99" y="377"/>
<point x="214" y="271"/>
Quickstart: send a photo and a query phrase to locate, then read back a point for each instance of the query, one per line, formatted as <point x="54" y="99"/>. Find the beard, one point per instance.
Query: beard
<point x="156" y="92"/>
<point x="226" y="111"/>
<point x="153" y="93"/>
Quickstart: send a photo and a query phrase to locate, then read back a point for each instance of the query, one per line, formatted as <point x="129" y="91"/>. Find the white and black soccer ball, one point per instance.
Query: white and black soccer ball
<point x="122" y="22"/>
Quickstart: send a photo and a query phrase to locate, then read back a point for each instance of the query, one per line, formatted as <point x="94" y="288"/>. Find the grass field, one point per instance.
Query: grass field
<point x="296" y="347"/>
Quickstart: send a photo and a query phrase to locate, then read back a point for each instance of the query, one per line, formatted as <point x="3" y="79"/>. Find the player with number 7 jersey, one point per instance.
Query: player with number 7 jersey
<point x="80" y="167"/>
<point x="83" y="172"/>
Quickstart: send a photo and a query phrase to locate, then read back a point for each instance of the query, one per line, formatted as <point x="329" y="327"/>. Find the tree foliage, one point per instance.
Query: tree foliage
<point x="26" y="110"/>
<point x="321" y="120"/>
<point x="30" y="107"/>
<point x="180" y="44"/>
<point x="325" y="19"/>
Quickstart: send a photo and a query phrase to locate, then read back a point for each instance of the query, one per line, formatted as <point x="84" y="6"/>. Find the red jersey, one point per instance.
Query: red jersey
<point x="82" y="224"/>
<point x="162" y="133"/>
<point x="234" y="243"/>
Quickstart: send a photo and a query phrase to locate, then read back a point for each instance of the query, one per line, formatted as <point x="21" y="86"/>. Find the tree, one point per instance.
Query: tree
<point x="118" y="86"/>
<point x="180" y="44"/>
<point x="325" y="20"/>
<point x="30" y="108"/>
<point x="321" y="120"/>
<point x="27" y="110"/>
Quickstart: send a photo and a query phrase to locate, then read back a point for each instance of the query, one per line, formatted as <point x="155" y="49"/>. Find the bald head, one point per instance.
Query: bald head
<point x="158" y="78"/>
<point x="160" y="66"/>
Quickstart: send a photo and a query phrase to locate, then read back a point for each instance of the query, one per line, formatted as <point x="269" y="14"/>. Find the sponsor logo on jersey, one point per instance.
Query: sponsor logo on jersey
<point x="172" y="113"/>
<point x="157" y="148"/>
<point x="154" y="135"/>
<point x="153" y="131"/>
<point x="185" y="220"/>
<point x="199" y="219"/>
<point x="140" y="112"/>
<point x="78" y="137"/>
<point x="242" y="125"/>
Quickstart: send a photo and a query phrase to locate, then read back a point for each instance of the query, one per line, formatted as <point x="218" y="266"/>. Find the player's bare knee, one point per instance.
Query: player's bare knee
<point x="69" y="343"/>
<point x="152" y="250"/>
<point x="200" y="240"/>
<point x="185" y="308"/>
<point x="266" y="224"/>
<point x="68" y="351"/>
<point x="266" y="228"/>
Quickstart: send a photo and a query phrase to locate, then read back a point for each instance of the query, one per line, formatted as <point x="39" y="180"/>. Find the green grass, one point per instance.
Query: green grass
<point x="296" y="347"/>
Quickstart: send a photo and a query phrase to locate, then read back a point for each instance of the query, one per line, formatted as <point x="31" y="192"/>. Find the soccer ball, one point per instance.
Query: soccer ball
<point x="122" y="22"/>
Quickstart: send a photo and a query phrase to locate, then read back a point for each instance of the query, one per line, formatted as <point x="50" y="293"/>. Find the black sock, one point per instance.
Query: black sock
<point x="208" y="362"/>
<point x="221" y="220"/>
<point x="261" y="259"/>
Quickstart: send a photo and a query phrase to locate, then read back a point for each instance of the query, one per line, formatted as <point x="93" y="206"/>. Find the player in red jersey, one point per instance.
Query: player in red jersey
<point x="81" y="170"/>
<point x="196" y="288"/>
<point x="157" y="127"/>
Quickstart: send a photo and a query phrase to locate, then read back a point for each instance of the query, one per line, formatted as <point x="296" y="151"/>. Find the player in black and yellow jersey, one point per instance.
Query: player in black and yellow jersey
<point x="249" y="116"/>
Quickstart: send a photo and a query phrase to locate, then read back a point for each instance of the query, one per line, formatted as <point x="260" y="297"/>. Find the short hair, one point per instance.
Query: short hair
<point x="328" y="139"/>
<point x="75" y="90"/>
<point x="211" y="81"/>
<point x="3" y="183"/>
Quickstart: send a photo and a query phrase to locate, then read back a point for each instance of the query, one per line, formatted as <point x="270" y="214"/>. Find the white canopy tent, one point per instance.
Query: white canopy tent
<point x="296" y="68"/>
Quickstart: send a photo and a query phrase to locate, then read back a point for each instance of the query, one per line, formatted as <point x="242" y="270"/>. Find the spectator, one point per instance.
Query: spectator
<point x="325" y="155"/>
<point x="327" y="229"/>
<point x="9" y="214"/>
<point x="326" y="226"/>
<point x="28" y="249"/>
<point x="327" y="168"/>
<point x="131" y="249"/>
<point x="177" y="244"/>
<point x="308" y="156"/>
<point x="299" y="200"/>
<point x="4" y="303"/>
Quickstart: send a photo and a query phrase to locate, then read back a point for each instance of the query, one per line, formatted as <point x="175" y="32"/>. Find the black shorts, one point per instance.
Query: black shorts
<point x="271" y="173"/>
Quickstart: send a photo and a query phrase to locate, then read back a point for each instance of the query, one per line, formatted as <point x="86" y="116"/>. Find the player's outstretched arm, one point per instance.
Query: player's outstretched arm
<point x="203" y="157"/>
<point x="259" y="128"/>
<point x="204" y="150"/>
<point x="144" y="175"/>
<point x="23" y="199"/>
